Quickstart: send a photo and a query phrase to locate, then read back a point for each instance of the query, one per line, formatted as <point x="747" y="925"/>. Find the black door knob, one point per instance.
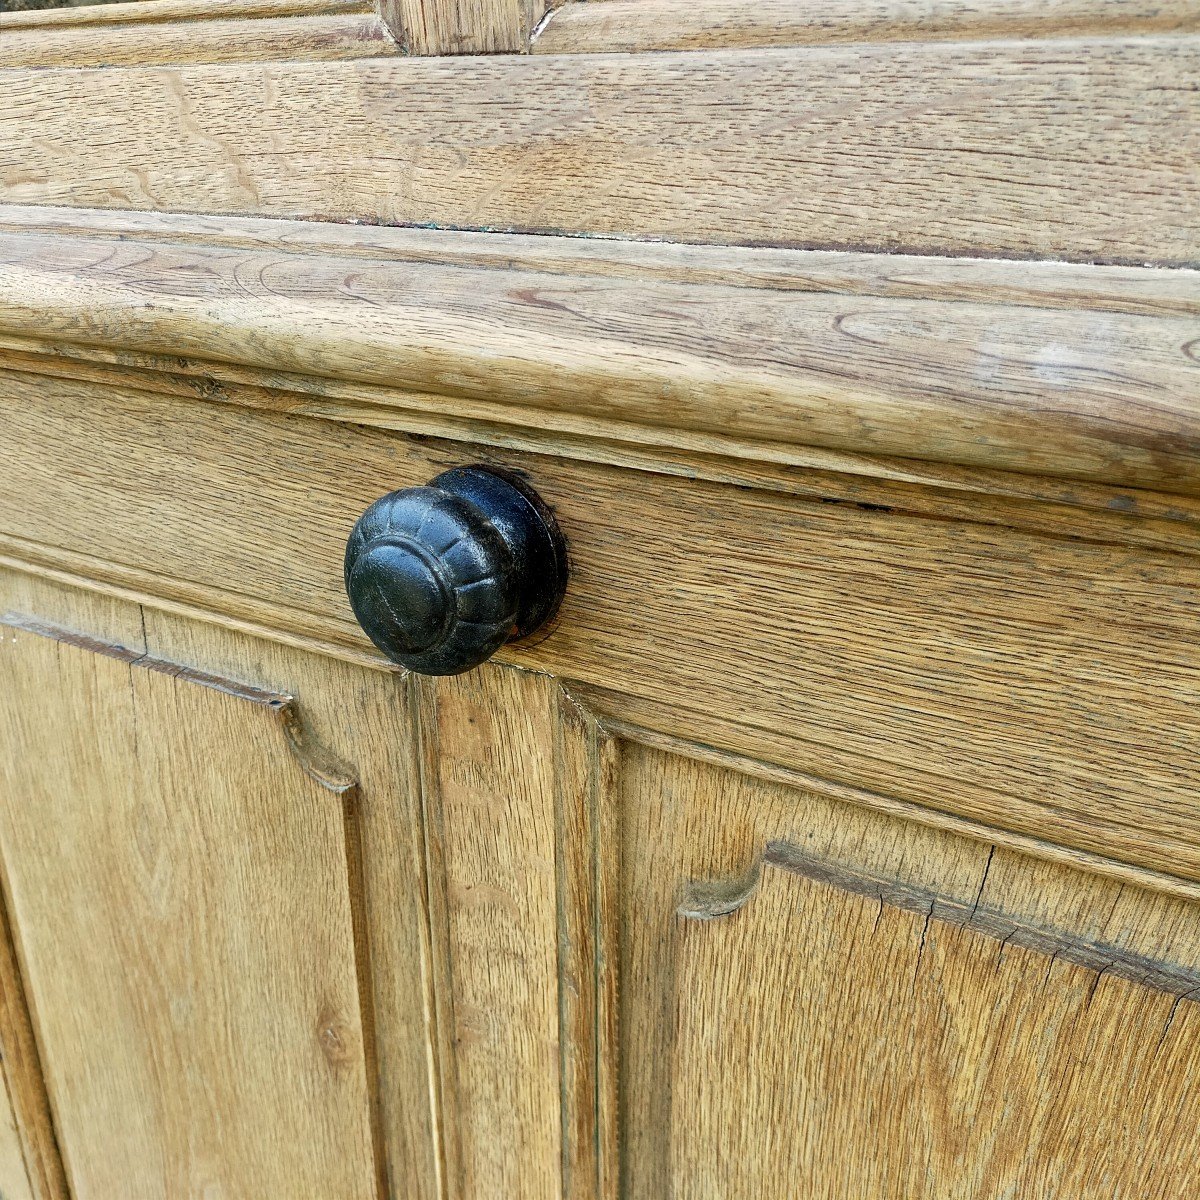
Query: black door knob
<point x="440" y="577"/>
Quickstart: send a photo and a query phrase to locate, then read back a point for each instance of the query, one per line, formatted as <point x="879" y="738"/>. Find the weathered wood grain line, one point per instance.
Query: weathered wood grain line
<point x="625" y="26"/>
<point x="1080" y="149"/>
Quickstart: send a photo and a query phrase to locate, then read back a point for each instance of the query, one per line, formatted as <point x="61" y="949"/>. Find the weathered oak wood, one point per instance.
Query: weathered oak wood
<point x="1078" y="149"/>
<point x="14" y="1180"/>
<point x="1002" y="676"/>
<point x="463" y="26"/>
<point x="359" y="716"/>
<point x="822" y="1001"/>
<point x="183" y="31"/>
<point x="613" y="26"/>
<point x="168" y="12"/>
<point x="32" y="1164"/>
<point x="1036" y="284"/>
<point x="491" y="798"/>
<point x="779" y="951"/>
<point x="843" y="831"/>
<point x="176" y="889"/>
<point x="1084" y="373"/>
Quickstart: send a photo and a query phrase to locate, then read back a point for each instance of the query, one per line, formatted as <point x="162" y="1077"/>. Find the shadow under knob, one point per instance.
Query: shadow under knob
<point x="440" y="577"/>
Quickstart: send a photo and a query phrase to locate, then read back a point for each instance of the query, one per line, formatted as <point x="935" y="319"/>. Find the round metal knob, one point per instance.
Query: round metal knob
<point x="440" y="577"/>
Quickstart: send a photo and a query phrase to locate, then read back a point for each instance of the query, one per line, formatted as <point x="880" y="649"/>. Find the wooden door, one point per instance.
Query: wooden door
<point x="839" y="838"/>
<point x="337" y="931"/>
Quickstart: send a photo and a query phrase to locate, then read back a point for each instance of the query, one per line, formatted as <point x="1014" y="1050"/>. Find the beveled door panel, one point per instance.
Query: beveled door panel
<point x="812" y="995"/>
<point x="875" y="1050"/>
<point x="182" y="873"/>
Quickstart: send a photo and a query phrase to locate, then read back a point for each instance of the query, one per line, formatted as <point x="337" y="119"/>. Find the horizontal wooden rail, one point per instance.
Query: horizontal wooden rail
<point x="1077" y="373"/>
<point x="160" y="12"/>
<point x="1082" y="149"/>
<point x="609" y="26"/>
<point x="193" y="31"/>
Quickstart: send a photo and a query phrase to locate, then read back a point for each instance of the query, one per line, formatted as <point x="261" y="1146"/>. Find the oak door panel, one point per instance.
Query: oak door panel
<point x="576" y="962"/>
<point x="182" y="876"/>
<point x="811" y="993"/>
<point x="878" y="1051"/>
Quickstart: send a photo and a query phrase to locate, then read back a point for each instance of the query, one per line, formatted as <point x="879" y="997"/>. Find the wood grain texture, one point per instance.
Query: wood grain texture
<point x="1055" y="285"/>
<point x="170" y="12"/>
<point x="199" y="883"/>
<point x="463" y="26"/>
<point x="1088" y="373"/>
<point x="475" y="836"/>
<point x="1093" y="512"/>
<point x="888" y="1009"/>
<point x="34" y="1167"/>
<point x="311" y="38"/>
<point x="1034" y="683"/>
<point x="878" y="1050"/>
<point x="14" y="1180"/>
<point x="625" y="26"/>
<point x="1077" y="149"/>
<point x="491" y="809"/>
<point x="361" y="716"/>
<point x="358" y="716"/>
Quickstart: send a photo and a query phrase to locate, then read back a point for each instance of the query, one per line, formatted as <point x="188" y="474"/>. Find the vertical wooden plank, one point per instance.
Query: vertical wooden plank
<point x="365" y="717"/>
<point x="14" y="1179"/>
<point x="25" y="1088"/>
<point x="464" y="26"/>
<point x="488" y="741"/>
<point x="181" y="887"/>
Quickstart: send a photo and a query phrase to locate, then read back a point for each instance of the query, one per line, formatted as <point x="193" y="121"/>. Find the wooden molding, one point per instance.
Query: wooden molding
<point x="943" y="372"/>
<point x="615" y="26"/>
<point x="193" y="31"/>
<point x="1002" y="676"/>
<point x="858" y="147"/>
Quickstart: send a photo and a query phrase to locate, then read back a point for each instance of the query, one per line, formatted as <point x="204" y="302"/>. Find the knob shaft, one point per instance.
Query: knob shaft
<point x="440" y="577"/>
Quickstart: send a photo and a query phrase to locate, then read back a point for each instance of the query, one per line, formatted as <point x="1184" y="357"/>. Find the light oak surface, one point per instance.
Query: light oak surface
<point x="1078" y="149"/>
<point x="14" y="1182"/>
<point x="30" y="1165"/>
<point x="170" y="12"/>
<point x="1088" y="373"/>
<point x="613" y="26"/>
<point x="882" y="1010"/>
<point x="593" y="912"/>
<point x="358" y="717"/>
<point x="1041" y="684"/>
<point x="839" y="834"/>
<point x="940" y="1020"/>
<point x="167" y="31"/>
<point x="490" y="798"/>
<point x="1038" y="284"/>
<point x="176" y="890"/>
<point x="463" y="26"/>
<point x="254" y="30"/>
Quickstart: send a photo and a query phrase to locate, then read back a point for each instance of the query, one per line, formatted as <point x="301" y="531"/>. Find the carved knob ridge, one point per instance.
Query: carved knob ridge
<point x="441" y="576"/>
